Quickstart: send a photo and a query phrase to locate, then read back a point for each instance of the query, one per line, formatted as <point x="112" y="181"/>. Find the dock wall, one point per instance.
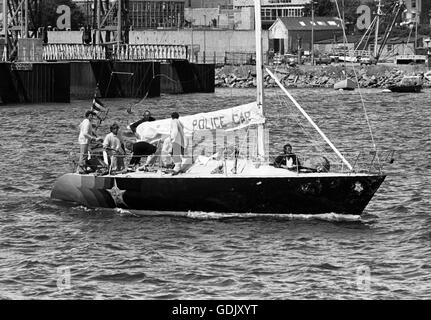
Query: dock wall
<point x="185" y="77"/>
<point x="34" y="82"/>
<point x="65" y="81"/>
<point x="118" y="79"/>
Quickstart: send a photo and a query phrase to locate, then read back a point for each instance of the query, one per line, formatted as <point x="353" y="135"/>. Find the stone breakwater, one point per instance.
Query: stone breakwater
<point x="305" y="76"/>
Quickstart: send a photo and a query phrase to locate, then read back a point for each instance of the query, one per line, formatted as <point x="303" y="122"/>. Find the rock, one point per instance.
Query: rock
<point x="324" y="80"/>
<point x="370" y="76"/>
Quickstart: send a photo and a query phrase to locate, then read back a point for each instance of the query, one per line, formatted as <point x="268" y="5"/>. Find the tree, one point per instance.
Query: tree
<point x="349" y="10"/>
<point x="47" y="15"/>
<point x="322" y="8"/>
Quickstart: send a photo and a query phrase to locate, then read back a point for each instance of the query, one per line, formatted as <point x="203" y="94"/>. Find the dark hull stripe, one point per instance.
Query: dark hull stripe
<point x="298" y="195"/>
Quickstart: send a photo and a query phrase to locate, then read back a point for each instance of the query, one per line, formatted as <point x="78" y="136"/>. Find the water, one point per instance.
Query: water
<point x="114" y="254"/>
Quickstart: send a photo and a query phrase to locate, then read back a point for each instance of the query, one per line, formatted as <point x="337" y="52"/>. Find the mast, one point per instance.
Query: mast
<point x="312" y="32"/>
<point x="5" y="27"/>
<point x="25" y="31"/>
<point x="119" y="22"/>
<point x="416" y="32"/>
<point x="399" y="7"/>
<point x="379" y="12"/>
<point x="259" y="77"/>
<point x="344" y="38"/>
<point x="98" y="21"/>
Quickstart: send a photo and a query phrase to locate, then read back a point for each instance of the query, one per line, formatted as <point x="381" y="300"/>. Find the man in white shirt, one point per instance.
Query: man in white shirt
<point x="177" y="139"/>
<point x="114" y="148"/>
<point x="85" y="137"/>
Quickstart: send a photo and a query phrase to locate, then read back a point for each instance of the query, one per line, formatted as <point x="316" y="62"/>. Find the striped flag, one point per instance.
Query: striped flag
<point x="98" y="106"/>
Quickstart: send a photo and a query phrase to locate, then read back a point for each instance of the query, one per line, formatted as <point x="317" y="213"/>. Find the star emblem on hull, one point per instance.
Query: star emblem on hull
<point x="117" y="195"/>
<point x="358" y="187"/>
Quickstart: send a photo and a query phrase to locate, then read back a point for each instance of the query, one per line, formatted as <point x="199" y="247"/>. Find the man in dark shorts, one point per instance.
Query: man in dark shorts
<point x="140" y="149"/>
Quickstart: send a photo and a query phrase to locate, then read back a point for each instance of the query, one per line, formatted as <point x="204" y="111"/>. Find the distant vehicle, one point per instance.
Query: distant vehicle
<point x="367" y="60"/>
<point x="277" y="59"/>
<point x="335" y="58"/>
<point x="323" y="60"/>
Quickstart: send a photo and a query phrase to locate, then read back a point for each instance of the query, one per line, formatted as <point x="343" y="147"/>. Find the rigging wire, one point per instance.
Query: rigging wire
<point x="359" y="89"/>
<point x="408" y="41"/>
<point x="284" y="101"/>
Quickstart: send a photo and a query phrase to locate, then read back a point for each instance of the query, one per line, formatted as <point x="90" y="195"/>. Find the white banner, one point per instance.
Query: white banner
<point x="226" y="119"/>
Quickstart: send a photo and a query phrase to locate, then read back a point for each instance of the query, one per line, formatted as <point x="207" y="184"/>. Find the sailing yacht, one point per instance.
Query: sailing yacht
<point x="241" y="186"/>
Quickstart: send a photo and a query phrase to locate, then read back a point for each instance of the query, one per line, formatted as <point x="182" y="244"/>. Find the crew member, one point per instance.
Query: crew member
<point x="287" y="160"/>
<point x="86" y="136"/>
<point x="146" y="117"/>
<point x="140" y="149"/>
<point x="177" y="139"/>
<point x="114" y="148"/>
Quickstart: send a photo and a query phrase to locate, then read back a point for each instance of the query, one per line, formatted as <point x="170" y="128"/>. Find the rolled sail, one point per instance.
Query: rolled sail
<point x="227" y="119"/>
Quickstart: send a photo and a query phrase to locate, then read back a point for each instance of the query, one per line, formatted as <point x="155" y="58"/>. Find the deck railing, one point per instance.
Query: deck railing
<point x="362" y="162"/>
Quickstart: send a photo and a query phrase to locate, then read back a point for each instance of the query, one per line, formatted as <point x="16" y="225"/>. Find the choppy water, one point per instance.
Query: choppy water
<point x="113" y="254"/>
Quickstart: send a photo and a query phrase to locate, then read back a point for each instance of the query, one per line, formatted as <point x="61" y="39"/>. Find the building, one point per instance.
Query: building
<point x="287" y="34"/>
<point x="143" y="14"/>
<point x="224" y="4"/>
<point x="420" y="9"/>
<point x="209" y="45"/>
<point x="273" y="9"/>
<point x="239" y="14"/>
<point x="239" y="19"/>
<point x="149" y="14"/>
<point x="426" y="12"/>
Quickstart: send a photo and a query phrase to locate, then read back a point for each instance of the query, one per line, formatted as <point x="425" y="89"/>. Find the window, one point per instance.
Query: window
<point x="146" y="14"/>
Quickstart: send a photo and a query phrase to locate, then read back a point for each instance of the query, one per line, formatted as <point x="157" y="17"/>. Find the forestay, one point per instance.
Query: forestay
<point x="227" y="119"/>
